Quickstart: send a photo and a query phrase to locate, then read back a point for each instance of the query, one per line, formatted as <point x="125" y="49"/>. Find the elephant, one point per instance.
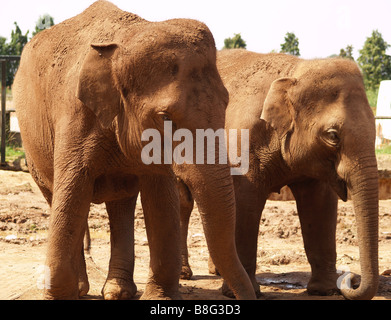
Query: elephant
<point x="311" y="128"/>
<point x="85" y="92"/>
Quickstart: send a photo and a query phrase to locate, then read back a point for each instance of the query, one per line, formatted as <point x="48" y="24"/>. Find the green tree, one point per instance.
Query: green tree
<point x="235" y="42"/>
<point x="374" y="62"/>
<point x="3" y="45"/>
<point x="291" y="44"/>
<point x="347" y="52"/>
<point x="44" y="22"/>
<point x="14" y="47"/>
<point x="17" y="43"/>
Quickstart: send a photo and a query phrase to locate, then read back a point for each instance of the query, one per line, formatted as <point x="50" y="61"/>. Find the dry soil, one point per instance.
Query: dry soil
<point x="283" y="270"/>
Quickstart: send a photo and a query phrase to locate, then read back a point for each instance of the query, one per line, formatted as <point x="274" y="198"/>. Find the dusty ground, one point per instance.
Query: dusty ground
<point x="283" y="270"/>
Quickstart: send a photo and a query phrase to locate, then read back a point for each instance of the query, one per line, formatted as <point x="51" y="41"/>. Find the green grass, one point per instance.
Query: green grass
<point x="13" y="153"/>
<point x="372" y="97"/>
<point x="384" y="150"/>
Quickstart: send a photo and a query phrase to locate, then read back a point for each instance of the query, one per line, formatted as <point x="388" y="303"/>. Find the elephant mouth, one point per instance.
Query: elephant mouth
<point x="340" y="187"/>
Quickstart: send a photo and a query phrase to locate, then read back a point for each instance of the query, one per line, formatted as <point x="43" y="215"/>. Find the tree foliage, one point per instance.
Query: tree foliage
<point x="347" y="52"/>
<point x="17" y="42"/>
<point x="14" y="47"/>
<point x="291" y="44"/>
<point x="235" y="42"/>
<point x="2" y="45"/>
<point x="44" y="22"/>
<point x="374" y="62"/>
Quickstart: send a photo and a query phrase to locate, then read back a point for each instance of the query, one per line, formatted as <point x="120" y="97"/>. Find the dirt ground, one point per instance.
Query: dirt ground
<point x="283" y="270"/>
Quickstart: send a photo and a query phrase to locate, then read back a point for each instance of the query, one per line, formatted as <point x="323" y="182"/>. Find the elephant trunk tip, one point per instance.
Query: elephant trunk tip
<point x="363" y="292"/>
<point x="364" y="188"/>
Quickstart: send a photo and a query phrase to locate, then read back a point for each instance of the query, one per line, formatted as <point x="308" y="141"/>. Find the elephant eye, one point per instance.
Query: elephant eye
<point x="165" y="116"/>
<point x="331" y="136"/>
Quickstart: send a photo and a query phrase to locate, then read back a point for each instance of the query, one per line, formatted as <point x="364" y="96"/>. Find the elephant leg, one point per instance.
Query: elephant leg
<point x="84" y="285"/>
<point x="160" y="200"/>
<point x="119" y="284"/>
<point x="68" y="221"/>
<point x="317" y="207"/>
<point x="249" y="206"/>
<point x="212" y="268"/>
<point x="87" y="240"/>
<point x="186" y="207"/>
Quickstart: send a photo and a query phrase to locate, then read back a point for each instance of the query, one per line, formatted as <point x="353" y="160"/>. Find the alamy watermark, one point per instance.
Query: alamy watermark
<point x="43" y="277"/>
<point x="184" y="151"/>
<point x="345" y="280"/>
<point x="45" y="22"/>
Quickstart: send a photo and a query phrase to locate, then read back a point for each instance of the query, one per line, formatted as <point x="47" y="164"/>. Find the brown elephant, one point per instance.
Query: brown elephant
<point x="85" y="91"/>
<point x="316" y="135"/>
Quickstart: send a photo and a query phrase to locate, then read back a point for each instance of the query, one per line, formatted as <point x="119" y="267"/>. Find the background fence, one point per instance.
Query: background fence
<point x="4" y="111"/>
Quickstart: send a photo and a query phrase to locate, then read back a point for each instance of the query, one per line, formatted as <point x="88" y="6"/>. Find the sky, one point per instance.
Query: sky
<point x="323" y="27"/>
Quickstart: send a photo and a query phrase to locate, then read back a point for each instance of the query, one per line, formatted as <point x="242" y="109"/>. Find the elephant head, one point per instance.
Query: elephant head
<point x="166" y="73"/>
<point x="327" y="131"/>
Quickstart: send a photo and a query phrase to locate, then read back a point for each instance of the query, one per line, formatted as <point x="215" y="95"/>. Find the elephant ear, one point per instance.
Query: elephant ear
<point x="96" y="86"/>
<point x="277" y="108"/>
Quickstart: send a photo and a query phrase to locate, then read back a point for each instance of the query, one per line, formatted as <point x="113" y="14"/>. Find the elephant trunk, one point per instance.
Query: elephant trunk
<point x="214" y="194"/>
<point x="363" y="186"/>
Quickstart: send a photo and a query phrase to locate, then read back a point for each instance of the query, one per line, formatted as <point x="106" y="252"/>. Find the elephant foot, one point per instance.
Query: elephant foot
<point x="323" y="286"/>
<point x="63" y="285"/>
<point x="155" y="292"/>
<point x="84" y="287"/>
<point x="60" y="294"/>
<point x="186" y="273"/>
<point x="212" y="268"/>
<point x="119" y="289"/>
<point x="226" y="291"/>
<point x="322" y="291"/>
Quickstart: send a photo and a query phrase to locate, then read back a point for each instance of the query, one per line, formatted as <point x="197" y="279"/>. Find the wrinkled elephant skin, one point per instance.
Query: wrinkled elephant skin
<point x="311" y="128"/>
<point x="85" y="91"/>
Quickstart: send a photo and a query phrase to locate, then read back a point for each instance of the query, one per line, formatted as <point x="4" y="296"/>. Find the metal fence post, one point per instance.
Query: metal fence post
<point x="3" y="108"/>
<point x="3" y="61"/>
